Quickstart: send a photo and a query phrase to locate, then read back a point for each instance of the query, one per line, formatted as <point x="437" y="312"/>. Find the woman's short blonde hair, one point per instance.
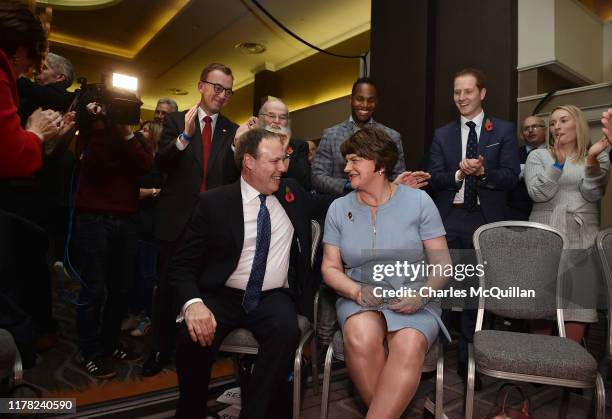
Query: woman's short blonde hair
<point x="583" y="137"/>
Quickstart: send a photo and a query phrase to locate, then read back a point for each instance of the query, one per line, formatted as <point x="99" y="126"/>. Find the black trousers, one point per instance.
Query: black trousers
<point x="105" y="250"/>
<point x="273" y="323"/>
<point x="460" y="225"/>
<point x="163" y="325"/>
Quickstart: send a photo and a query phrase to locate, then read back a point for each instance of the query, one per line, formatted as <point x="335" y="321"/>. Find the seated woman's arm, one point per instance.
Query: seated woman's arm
<point x="334" y="276"/>
<point x="436" y="250"/>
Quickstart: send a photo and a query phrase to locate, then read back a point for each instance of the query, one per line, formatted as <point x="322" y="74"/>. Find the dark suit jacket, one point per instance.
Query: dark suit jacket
<point x="299" y="166"/>
<point x="184" y="171"/>
<point x="519" y="201"/>
<point x="33" y="96"/>
<point x="499" y="148"/>
<point x="214" y="236"/>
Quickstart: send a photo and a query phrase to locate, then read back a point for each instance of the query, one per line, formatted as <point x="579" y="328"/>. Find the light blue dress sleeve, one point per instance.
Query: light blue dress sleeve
<point x="430" y="225"/>
<point x="332" y="231"/>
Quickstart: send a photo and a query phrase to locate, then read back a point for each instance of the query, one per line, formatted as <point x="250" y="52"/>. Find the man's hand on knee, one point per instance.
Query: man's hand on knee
<point x="200" y="323"/>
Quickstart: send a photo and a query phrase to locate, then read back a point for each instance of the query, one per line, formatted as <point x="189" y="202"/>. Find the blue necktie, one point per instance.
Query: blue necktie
<point x="471" y="152"/>
<point x="252" y="294"/>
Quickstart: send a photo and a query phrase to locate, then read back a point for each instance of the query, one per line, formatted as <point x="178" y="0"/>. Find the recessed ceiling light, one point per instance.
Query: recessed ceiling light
<point x="250" y="47"/>
<point x="178" y="92"/>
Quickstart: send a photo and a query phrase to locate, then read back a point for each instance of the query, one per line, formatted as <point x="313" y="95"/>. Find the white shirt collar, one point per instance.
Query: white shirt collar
<point x="202" y="113"/>
<point x="477" y="120"/>
<point x="248" y="192"/>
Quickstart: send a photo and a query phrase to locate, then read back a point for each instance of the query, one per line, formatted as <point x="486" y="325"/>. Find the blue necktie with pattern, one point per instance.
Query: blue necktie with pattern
<point x="252" y="294"/>
<point x="471" y="152"/>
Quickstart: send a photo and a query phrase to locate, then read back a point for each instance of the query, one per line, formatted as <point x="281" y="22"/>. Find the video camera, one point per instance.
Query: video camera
<point x="119" y="106"/>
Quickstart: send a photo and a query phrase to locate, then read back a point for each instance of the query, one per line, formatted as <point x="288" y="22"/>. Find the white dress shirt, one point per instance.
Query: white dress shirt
<point x="465" y="131"/>
<point x="182" y="145"/>
<point x="277" y="265"/>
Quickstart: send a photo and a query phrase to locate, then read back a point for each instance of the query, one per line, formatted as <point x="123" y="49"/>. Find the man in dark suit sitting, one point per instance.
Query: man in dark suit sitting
<point x="473" y="164"/>
<point x="196" y="155"/>
<point x="243" y="263"/>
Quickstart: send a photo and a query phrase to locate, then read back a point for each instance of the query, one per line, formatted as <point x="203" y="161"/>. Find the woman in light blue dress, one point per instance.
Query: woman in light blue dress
<point x="374" y="239"/>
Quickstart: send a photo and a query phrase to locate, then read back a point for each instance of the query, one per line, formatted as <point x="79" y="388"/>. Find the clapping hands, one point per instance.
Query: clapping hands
<point x="472" y="167"/>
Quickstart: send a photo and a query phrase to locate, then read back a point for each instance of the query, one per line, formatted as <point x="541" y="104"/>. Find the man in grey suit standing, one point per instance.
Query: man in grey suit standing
<point x="328" y="175"/>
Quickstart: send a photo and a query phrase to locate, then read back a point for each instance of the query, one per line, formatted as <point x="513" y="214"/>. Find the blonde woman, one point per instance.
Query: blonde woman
<point x="566" y="181"/>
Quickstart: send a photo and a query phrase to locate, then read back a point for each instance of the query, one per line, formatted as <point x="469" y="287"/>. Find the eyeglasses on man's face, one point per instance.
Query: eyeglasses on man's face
<point x="219" y="89"/>
<point x="533" y="128"/>
<point x="283" y="117"/>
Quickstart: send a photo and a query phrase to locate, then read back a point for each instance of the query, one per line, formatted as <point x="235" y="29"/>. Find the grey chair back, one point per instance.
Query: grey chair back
<point x="604" y="248"/>
<point x="520" y="256"/>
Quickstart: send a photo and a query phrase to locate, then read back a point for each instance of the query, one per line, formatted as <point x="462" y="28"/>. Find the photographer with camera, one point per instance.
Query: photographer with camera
<point x="111" y="161"/>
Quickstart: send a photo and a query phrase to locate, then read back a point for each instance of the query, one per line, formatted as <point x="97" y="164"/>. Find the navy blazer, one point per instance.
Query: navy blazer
<point x="499" y="148"/>
<point x="180" y="190"/>
<point x="214" y="237"/>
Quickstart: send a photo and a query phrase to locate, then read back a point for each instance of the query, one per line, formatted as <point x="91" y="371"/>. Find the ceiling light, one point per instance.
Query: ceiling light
<point x="250" y="47"/>
<point x="178" y="92"/>
<point x="125" y="82"/>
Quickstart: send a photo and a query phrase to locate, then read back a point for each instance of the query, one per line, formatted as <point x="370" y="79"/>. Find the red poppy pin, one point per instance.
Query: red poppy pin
<point x="289" y="197"/>
<point x="488" y="125"/>
<point x="289" y="150"/>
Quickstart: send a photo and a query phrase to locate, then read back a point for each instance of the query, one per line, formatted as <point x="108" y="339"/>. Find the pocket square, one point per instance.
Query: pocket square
<point x="492" y="145"/>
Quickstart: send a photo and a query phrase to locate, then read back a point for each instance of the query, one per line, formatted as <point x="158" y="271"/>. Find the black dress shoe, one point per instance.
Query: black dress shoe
<point x="155" y="362"/>
<point x="462" y="371"/>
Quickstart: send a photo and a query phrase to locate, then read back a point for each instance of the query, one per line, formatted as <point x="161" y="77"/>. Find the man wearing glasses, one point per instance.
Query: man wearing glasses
<point x="275" y="113"/>
<point x="195" y="155"/>
<point x="533" y="132"/>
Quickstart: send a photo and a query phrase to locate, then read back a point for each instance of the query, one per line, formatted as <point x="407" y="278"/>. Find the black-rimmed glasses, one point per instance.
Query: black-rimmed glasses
<point x="219" y="89"/>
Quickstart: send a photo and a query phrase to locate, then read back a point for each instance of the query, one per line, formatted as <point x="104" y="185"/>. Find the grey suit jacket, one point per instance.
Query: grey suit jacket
<point x="328" y="175"/>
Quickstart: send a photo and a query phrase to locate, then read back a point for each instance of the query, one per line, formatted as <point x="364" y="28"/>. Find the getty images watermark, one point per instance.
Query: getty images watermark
<point x="413" y="271"/>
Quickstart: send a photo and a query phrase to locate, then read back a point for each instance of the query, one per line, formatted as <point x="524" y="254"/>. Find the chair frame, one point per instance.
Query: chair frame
<point x="607" y="271"/>
<point x="436" y="408"/>
<point x="469" y="397"/>
<point x="308" y="337"/>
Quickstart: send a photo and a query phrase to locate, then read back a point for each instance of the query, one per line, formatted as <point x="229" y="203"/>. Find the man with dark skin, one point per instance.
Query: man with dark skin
<point x="328" y="175"/>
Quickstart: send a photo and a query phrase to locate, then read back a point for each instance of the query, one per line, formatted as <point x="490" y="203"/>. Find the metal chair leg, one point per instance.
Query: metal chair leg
<point x="315" y="365"/>
<point x="297" y="374"/>
<point x="601" y="397"/>
<point x="297" y="385"/>
<point x="440" y="383"/>
<point x="326" y="381"/>
<point x="469" y="392"/>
